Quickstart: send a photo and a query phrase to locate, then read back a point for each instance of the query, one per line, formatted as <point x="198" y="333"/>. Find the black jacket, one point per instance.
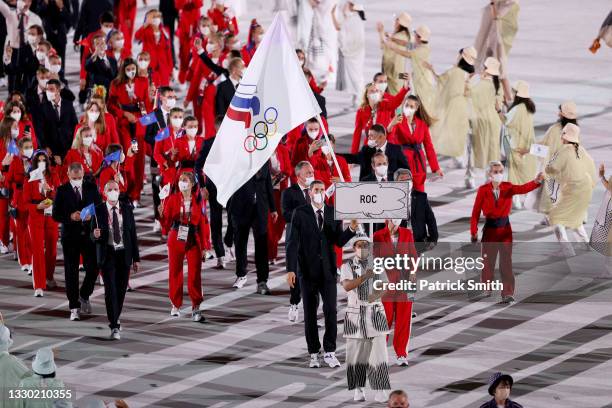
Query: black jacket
<point x="257" y="191"/>
<point x="58" y="132"/>
<point x="509" y="404"/>
<point x="310" y="251"/>
<point x="199" y="165"/>
<point x="66" y="202"/>
<point x="225" y="93"/>
<point x="292" y="198"/>
<point x="152" y="130"/>
<point x="130" y="240"/>
<point x="89" y="17"/>
<point x="56" y="22"/>
<point x="372" y="177"/>
<point x="395" y="156"/>
<point x="99" y="72"/>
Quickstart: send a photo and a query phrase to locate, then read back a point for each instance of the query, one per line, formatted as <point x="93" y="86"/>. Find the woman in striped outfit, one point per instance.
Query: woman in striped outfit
<point x="365" y="325"/>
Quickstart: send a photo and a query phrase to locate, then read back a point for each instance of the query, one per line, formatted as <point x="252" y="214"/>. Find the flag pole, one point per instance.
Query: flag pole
<point x="331" y="150"/>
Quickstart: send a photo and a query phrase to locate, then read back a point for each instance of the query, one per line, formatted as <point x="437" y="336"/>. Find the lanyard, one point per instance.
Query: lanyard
<point x="183" y="210"/>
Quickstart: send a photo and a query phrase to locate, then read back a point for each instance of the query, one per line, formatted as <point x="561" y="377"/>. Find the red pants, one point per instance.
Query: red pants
<point x="4" y="221"/>
<point x="400" y="312"/>
<point x="125" y="15"/>
<point x="176" y="257"/>
<point x="136" y="176"/>
<point x="498" y="241"/>
<point x="22" y="237"/>
<point x="275" y="229"/>
<point x="44" y="249"/>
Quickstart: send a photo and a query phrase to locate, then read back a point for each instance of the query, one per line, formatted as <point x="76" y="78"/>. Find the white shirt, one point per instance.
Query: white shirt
<point x="110" y="207"/>
<point x="383" y="147"/>
<point x="379" y="178"/>
<point x="234" y="82"/>
<point x="12" y="23"/>
<point x="191" y="144"/>
<point x="316" y="212"/>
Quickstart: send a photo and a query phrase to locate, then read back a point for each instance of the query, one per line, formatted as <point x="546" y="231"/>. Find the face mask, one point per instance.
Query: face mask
<point x="112" y="195"/>
<point x="362" y="253"/>
<point x="191" y="132"/>
<point x="106" y="30"/>
<point x="40" y="55"/>
<point x="374" y="97"/>
<point x="236" y="46"/>
<point x="93" y="116"/>
<point x="176" y="122"/>
<point x="225" y="63"/>
<point x="28" y="153"/>
<point x="42" y="82"/>
<point x="309" y="180"/>
<point x="498" y="177"/>
<point x="14" y="133"/>
<point x="326" y="149"/>
<point x="381" y="86"/>
<point x="313" y="134"/>
<point x="183" y="185"/>
<point x="302" y="62"/>
<point x="371" y="143"/>
<point x="409" y="111"/>
<point x="143" y="64"/>
<point x="55" y="68"/>
<point x="318" y="198"/>
<point x="32" y="39"/>
<point x="50" y="95"/>
<point x="131" y="73"/>
<point x="76" y="183"/>
<point x="119" y="43"/>
<point x="42" y="166"/>
<point x="156" y="21"/>
<point x="210" y="48"/>
<point x="16" y="116"/>
<point x="258" y="38"/>
<point x="170" y="103"/>
<point x="205" y="30"/>
<point x="382" y="170"/>
<point x="87" y="141"/>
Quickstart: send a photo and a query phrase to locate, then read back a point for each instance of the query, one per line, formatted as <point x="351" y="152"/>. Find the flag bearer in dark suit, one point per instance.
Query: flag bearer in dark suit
<point x="114" y="233"/>
<point x="310" y="253"/>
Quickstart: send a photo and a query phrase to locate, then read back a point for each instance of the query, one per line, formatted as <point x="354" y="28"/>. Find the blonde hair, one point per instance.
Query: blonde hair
<point x="100" y="123"/>
<point x="364" y="98"/>
<point x="77" y="142"/>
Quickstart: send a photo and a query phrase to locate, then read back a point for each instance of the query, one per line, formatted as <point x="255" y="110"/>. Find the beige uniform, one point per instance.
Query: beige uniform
<point x="521" y="168"/>
<point x="12" y="371"/>
<point x="576" y="177"/>
<point x="422" y="78"/>
<point x="552" y="139"/>
<point x="486" y="123"/>
<point x="394" y="64"/>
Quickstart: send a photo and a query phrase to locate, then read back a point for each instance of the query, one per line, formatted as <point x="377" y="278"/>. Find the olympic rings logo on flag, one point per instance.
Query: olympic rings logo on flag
<point x="262" y="131"/>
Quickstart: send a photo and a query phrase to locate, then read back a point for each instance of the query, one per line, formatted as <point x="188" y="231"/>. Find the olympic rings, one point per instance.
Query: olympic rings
<point x="274" y="111"/>
<point x="250" y="144"/>
<point x="264" y="143"/>
<point x="262" y="131"/>
<point x="259" y="133"/>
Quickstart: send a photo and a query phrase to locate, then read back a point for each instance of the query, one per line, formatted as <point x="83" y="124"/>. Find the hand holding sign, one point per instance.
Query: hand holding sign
<point x="372" y="201"/>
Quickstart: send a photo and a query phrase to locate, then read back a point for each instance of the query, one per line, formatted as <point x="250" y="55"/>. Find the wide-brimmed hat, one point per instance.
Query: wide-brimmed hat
<point x="492" y="66"/>
<point x="571" y="133"/>
<point x="44" y="362"/>
<point x="522" y="89"/>
<point x="496" y="379"/>
<point x="569" y="110"/>
<point x="404" y="19"/>
<point x="5" y="338"/>
<point x="469" y="54"/>
<point x="424" y="32"/>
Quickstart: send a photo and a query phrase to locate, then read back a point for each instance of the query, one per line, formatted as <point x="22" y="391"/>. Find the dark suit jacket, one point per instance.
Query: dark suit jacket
<point x="372" y="177"/>
<point x="58" y="132"/>
<point x="199" y="165"/>
<point x="66" y="202"/>
<point x="168" y="10"/>
<point x="152" y="130"/>
<point x="292" y="198"/>
<point x="35" y="109"/>
<point x="395" y="156"/>
<point x="130" y="240"/>
<point x="99" y="73"/>
<point x="56" y="22"/>
<point x="89" y="17"/>
<point x="310" y="251"/>
<point x="225" y="93"/>
<point x="257" y="191"/>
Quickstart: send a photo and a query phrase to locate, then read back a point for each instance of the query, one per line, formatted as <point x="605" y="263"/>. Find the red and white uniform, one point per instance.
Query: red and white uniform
<point x="102" y="139"/>
<point x="165" y="160"/>
<point x="280" y="167"/>
<point x="398" y="308"/>
<point x="187" y="152"/>
<point x="120" y="175"/>
<point x="222" y="20"/>
<point x="91" y="159"/>
<point x="4" y="200"/>
<point x="189" y="14"/>
<point x="43" y="229"/>
<point x="15" y="178"/>
<point x="158" y="47"/>
<point x="125" y="14"/>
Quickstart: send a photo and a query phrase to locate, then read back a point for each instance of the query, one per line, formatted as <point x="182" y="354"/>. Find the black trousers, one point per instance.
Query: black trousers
<point x="423" y="220"/>
<point x="115" y="272"/>
<point x="2" y="41"/>
<point x="311" y="289"/>
<point x="295" y="292"/>
<point x="155" y="180"/>
<point x="216" y="223"/>
<point x="169" y="21"/>
<point x="72" y="251"/>
<point x="241" y="239"/>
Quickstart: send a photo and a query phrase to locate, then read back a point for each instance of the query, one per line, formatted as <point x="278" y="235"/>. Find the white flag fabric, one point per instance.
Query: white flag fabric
<point x="36" y="174"/>
<point x="273" y="98"/>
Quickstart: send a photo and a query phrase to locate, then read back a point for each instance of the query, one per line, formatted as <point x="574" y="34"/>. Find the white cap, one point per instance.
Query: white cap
<point x="424" y="32"/>
<point x="44" y="362"/>
<point x="469" y="54"/>
<point x="522" y="89"/>
<point x="404" y="19"/>
<point x="5" y="338"/>
<point x="571" y="133"/>
<point x="569" y="110"/>
<point x="492" y="66"/>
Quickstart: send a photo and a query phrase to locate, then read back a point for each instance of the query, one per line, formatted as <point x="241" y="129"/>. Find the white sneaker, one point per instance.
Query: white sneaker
<point x="85" y="306"/>
<point x="115" y="334"/>
<point x="314" y="361"/>
<point x="208" y="256"/>
<point x="156" y="226"/>
<point x="75" y="315"/>
<point x="381" y="396"/>
<point x="175" y="311"/>
<point x="196" y="315"/>
<point x="38" y="293"/>
<point x="359" y="394"/>
<point x="26" y="269"/>
<point x="239" y="282"/>
<point x="220" y="263"/>
<point x="273" y="261"/>
<point x="51" y="284"/>
<point x="402" y="361"/>
<point x="229" y="251"/>
<point x="3" y="249"/>
<point x="331" y="360"/>
<point x="293" y="313"/>
<point x="101" y="280"/>
<point x="135" y="204"/>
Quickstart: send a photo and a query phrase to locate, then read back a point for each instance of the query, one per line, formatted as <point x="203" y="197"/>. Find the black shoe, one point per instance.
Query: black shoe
<point x="262" y="289"/>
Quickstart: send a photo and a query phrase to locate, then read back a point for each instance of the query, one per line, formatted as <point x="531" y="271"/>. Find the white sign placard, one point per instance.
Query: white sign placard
<point x="372" y="201"/>
<point x="539" y="150"/>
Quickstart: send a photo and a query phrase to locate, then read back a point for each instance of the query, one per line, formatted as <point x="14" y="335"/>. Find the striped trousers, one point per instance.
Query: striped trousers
<point x="367" y="359"/>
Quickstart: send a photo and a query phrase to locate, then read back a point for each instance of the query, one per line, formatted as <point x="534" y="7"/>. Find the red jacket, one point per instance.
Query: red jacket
<point x="285" y="169"/>
<point x="324" y="172"/>
<point x="247" y="53"/>
<point x="119" y="101"/>
<point x="15" y="178"/>
<point x="185" y="157"/>
<point x="383" y="116"/>
<point x="75" y="155"/>
<point x="160" y="51"/>
<point x="109" y="173"/>
<point x="161" y="152"/>
<point x="486" y="203"/>
<point x="22" y="125"/>
<point x="384" y="247"/>
<point x="32" y="197"/>
<point x="102" y="140"/>
<point x="222" y="22"/>
<point x="189" y="14"/>
<point x="173" y="206"/>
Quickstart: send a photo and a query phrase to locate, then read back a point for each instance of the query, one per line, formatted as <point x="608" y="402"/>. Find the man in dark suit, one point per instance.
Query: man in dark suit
<point x="60" y="120"/>
<point x="70" y="199"/>
<point x="311" y="254"/>
<point x="227" y="88"/>
<point x="114" y="233"/>
<point x="248" y="208"/>
<point x="293" y="197"/>
<point x="379" y="169"/>
<point x="35" y="100"/>
<point x="101" y="68"/>
<point x="377" y="142"/>
<point x="56" y="16"/>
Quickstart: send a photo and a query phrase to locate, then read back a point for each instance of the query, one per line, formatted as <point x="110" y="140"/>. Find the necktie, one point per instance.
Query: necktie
<point x="21" y="27"/>
<point x="57" y="109"/>
<point x="379" y="150"/>
<point x="320" y="219"/>
<point x="77" y="192"/>
<point x="116" y="228"/>
<point x="307" y="196"/>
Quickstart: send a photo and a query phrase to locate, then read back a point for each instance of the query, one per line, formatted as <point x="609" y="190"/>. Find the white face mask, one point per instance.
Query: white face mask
<point x="119" y="43"/>
<point x="28" y="153"/>
<point x="76" y="183"/>
<point x="183" y="185"/>
<point x="258" y="38"/>
<point x="313" y="134"/>
<point x="176" y="122"/>
<point x="54" y="69"/>
<point x="236" y="46"/>
<point x="318" y="198"/>
<point x="131" y="73"/>
<point x="210" y="48"/>
<point x="16" y="116"/>
<point x="93" y="116"/>
<point x="50" y="95"/>
<point x="371" y="143"/>
<point x="225" y="63"/>
<point x="326" y="149"/>
<point x="143" y="64"/>
<point x="14" y="132"/>
<point x="32" y="39"/>
<point x="362" y="253"/>
<point x="381" y="170"/>
<point x="191" y="132"/>
<point x="498" y="177"/>
<point x="106" y="30"/>
<point x="409" y="111"/>
<point x="112" y="195"/>
<point x="170" y="103"/>
<point x="42" y="83"/>
<point x="42" y="166"/>
<point x="40" y="55"/>
<point x="205" y="30"/>
<point x="156" y="21"/>
<point x="374" y="97"/>
<point x="309" y="180"/>
<point x="87" y="141"/>
<point x="381" y="86"/>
